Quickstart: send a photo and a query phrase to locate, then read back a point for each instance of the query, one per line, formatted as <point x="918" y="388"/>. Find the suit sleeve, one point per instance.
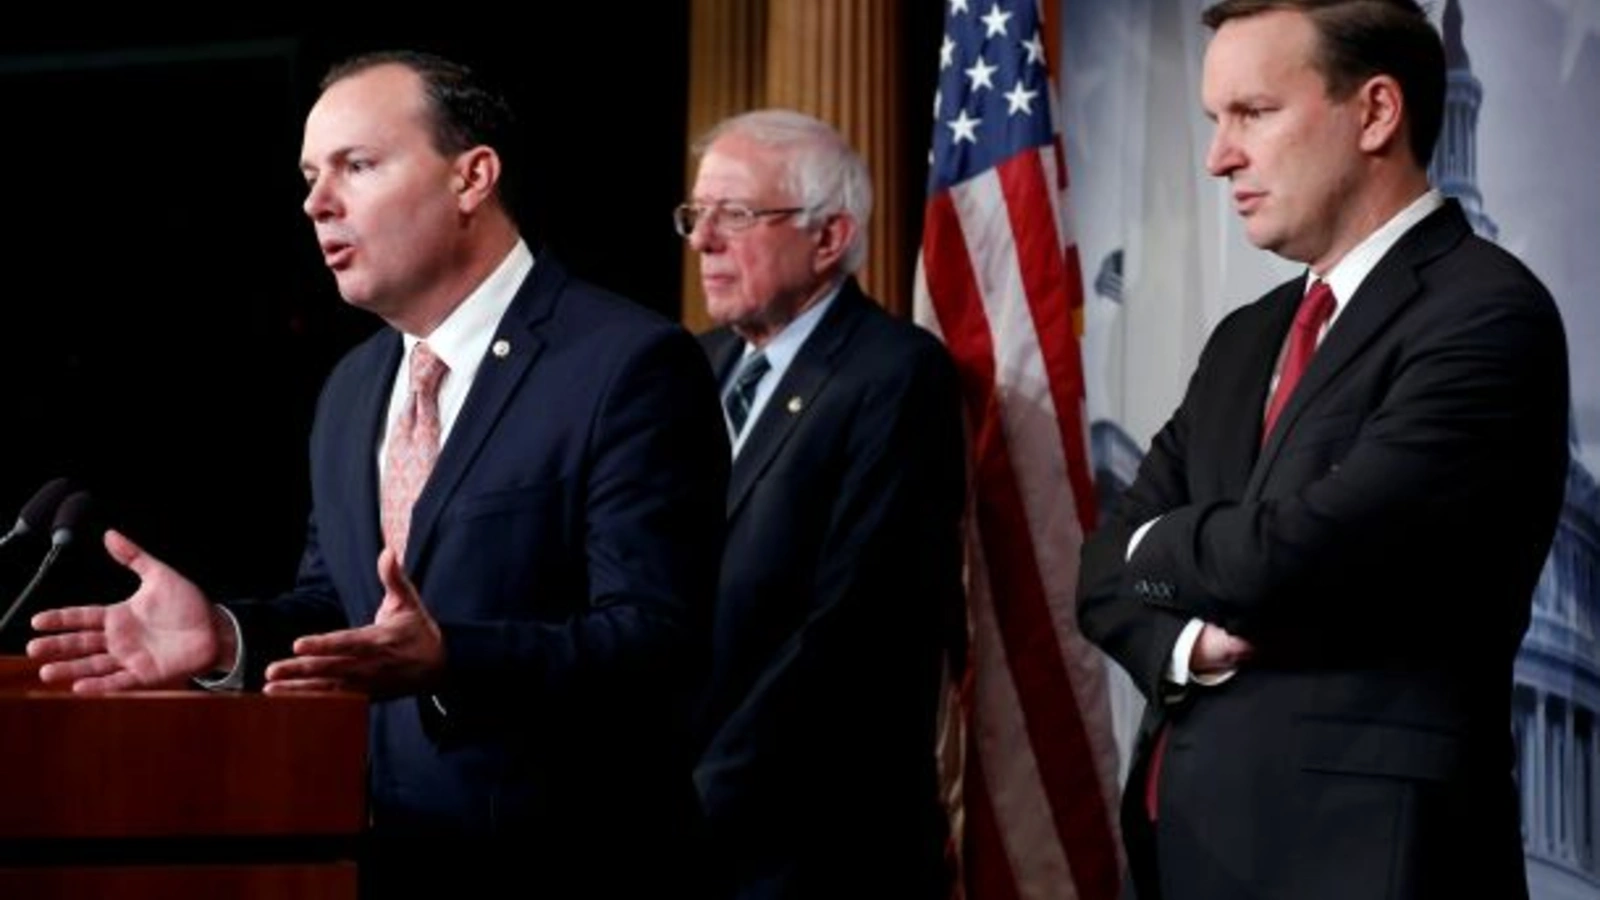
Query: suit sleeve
<point x="886" y="586"/>
<point x="1137" y="635"/>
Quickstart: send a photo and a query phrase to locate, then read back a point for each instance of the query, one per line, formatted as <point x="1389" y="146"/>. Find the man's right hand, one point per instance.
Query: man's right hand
<point x="164" y="634"/>
<point x="1216" y="651"/>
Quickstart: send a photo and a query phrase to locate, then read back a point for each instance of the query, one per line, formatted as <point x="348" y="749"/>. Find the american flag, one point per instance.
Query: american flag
<point x="998" y="280"/>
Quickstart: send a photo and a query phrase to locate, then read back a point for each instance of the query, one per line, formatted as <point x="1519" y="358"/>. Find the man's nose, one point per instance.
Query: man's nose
<point x="704" y="237"/>
<point x="1223" y="155"/>
<point x="320" y="203"/>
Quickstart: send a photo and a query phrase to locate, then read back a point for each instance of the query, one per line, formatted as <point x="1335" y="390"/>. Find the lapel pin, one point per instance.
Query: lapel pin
<point x="500" y="348"/>
<point x="796" y="404"/>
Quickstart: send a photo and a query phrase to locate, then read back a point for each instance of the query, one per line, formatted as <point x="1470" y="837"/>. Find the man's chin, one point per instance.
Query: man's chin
<point x="1261" y="238"/>
<point x="354" y="292"/>
<point x="723" y="312"/>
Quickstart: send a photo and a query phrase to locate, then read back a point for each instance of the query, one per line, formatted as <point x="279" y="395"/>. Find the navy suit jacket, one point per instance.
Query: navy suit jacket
<point x="567" y="543"/>
<point x="840" y="584"/>
<point x="1380" y="551"/>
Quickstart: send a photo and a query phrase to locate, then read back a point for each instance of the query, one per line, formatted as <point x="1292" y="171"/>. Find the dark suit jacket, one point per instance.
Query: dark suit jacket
<point x="567" y="542"/>
<point x="840" y="582"/>
<point x="1380" y="551"/>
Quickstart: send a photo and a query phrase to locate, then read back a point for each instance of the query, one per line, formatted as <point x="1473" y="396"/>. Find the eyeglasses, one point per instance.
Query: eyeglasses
<point x="725" y="217"/>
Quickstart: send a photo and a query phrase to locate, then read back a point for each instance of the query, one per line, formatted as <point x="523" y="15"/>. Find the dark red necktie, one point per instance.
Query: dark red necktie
<point x="1152" y="774"/>
<point x="1315" y="309"/>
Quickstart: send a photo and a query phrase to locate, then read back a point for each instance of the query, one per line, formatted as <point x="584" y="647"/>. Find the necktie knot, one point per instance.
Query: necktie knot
<point x="742" y="394"/>
<point x="427" y="371"/>
<point x="1316" y="307"/>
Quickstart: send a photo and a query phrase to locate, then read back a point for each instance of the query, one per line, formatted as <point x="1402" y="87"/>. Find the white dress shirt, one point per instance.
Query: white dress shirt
<point x="780" y="350"/>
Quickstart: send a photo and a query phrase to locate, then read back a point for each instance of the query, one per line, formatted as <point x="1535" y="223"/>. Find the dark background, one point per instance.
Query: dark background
<point x="168" y="319"/>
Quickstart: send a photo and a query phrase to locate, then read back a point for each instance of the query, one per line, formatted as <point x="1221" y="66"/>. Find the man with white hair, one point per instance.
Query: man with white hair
<point x="841" y="572"/>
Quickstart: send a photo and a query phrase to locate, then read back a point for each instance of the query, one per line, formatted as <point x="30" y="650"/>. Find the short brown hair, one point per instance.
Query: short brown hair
<point x="464" y="110"/>
<point x="1357" y="39"/>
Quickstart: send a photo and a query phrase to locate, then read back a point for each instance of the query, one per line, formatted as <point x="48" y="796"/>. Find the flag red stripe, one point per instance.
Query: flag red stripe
<point x="1045" y="278"/>
<point x="954" y="292"/>
<point x="1055" y="726"/>
<point x="1050" y="707"/>
<point x="988" y="873"/>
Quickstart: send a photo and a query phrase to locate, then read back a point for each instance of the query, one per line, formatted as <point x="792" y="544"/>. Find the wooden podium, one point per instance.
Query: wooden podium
<point x="178" y="793"/>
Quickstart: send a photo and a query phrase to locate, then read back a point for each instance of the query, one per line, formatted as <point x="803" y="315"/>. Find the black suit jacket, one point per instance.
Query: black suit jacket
<point x="567" y="543"/>
<point x="840" y="582"/>
<point x="1380" y="551"/>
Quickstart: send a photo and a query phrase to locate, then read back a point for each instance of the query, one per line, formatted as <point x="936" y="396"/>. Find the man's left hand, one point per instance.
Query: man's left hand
<point x="400" y="653"/>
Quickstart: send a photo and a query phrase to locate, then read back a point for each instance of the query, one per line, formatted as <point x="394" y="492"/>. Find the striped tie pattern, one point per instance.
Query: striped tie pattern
<point x="743" y="392"/>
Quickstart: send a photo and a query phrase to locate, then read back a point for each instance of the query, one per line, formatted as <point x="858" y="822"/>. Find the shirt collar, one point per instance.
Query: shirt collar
<point x="785" y="345"/>
<point x="1348" y="273"/>
<point x="463" y="337"/>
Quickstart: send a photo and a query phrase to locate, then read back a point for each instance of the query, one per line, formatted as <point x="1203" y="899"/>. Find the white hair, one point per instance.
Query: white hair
<point x="821" y="170"/>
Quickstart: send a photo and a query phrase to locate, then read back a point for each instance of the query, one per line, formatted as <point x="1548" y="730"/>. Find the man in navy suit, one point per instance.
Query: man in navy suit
<point x="533" y="652"/>
<point x="1322" y="573"/>
<point x="841" y="573"/>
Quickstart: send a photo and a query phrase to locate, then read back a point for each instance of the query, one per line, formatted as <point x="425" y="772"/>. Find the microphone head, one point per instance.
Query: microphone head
<point x="46" y="501"/>
<point x="69" y="516"/>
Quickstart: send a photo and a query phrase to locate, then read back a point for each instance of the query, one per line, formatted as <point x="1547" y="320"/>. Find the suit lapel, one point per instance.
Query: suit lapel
<point x="520" y="334"/>
<point x="802" y="385"/>
<point x="723" y="348"/>
<point x="368" y="420"/>
<point x="1382" y="295"/>
<point x="1248" y="380"/>
<point x="369" y="416"/>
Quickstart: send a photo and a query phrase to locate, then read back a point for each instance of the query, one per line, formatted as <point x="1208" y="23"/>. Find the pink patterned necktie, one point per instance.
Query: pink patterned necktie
<point x="413" y="447"/>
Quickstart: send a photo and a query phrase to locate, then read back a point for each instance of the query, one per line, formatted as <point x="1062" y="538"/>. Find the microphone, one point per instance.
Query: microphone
<point x="68" y="517"/>
<point x="38" y="510"/>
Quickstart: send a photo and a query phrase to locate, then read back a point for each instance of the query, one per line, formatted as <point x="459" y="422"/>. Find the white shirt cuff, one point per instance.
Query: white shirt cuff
<point x="1133" y="542"/>
<point x="1178" y="665"/>
<point x="233" y="680"/>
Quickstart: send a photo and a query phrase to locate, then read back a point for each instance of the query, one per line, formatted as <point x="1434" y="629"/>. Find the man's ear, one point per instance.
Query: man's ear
<point x="1382" y="106"/>
<point x="833" y="238"/>
<point x="477" y="172"/>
